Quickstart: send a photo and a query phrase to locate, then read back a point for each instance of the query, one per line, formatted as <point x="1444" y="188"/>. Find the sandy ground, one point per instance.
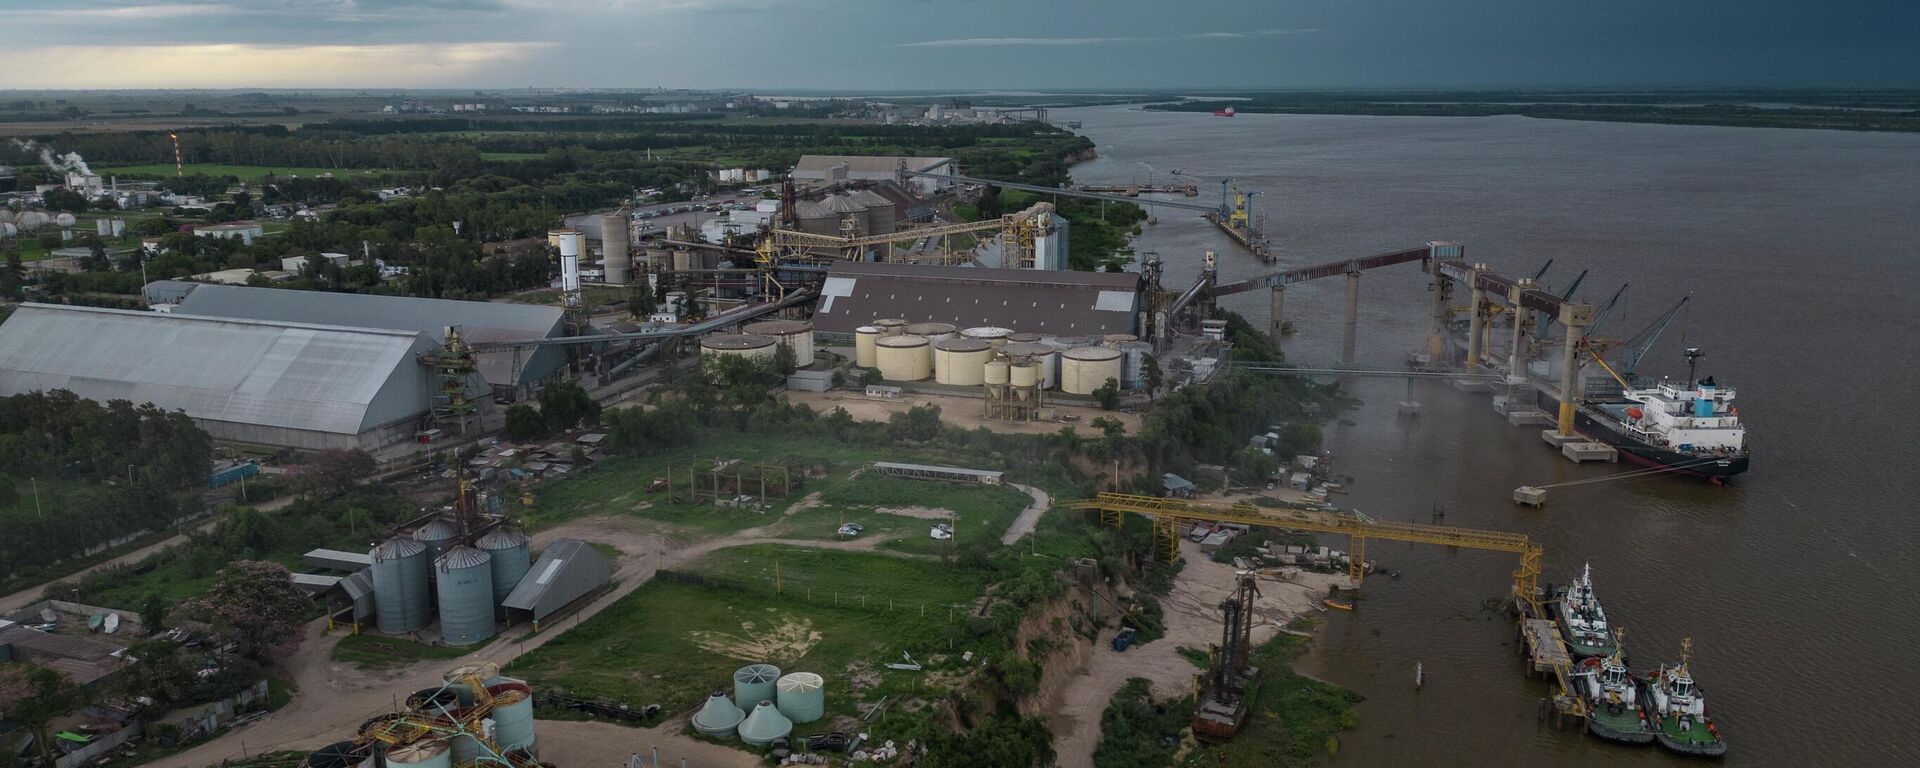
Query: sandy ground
<point x="964" y="412"/>
<point x="575" y="744"/>
<point x="1193" y="620"/>
<point x="1024" y="524"/>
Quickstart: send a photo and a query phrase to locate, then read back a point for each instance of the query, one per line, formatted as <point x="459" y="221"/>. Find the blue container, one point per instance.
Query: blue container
<point x="1703" y="408"/>
<point x="229" y="475"/>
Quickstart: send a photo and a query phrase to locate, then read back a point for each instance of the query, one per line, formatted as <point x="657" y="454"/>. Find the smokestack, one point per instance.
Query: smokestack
<point x="616" y="257"/>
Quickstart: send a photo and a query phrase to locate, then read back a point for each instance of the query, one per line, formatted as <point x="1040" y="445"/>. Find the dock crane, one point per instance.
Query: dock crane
<point x="1638" y="345"/>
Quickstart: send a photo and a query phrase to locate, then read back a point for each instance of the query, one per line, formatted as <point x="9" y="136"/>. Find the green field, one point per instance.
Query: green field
<point x="512" y="155"/>
<point x="243" y="172"/>
<point x="980" y="513"/>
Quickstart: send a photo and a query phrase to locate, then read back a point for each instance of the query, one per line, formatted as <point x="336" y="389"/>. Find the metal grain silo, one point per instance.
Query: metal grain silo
<point x="764" y="725"/>
<point x="934" y="332"/>
<point x="904" y="358"/>
<point x="754" y="682"/>
<point x="960" y="362"/>
<point x="718" y="717"/>
<point x="426" y="753"/>
<point x="865" y="354"/>
<point x="508" y="549"/>
<point x="400" y="598"/>
<point x="1133" y="363"/>
<point x="1085" y="369"/>
<point x="456" y="679"/>
<point x="802" y="697"/>
<point x="512" y="715"/>
<point x="437" y="535"/>
<point x="466" y="595"/>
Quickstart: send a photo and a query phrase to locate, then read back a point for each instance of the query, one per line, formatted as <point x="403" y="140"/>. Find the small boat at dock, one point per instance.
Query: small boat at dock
<point x="1582" y="622"/>
<point x="1613" y="697"/>
<point x="1677" y="708"/>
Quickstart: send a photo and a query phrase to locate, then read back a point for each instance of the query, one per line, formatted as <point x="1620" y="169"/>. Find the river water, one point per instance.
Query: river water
<point x="1798" y="582"/>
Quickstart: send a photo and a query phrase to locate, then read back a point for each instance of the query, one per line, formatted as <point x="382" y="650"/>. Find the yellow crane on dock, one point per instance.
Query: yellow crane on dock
<point x="1169" y="516"/>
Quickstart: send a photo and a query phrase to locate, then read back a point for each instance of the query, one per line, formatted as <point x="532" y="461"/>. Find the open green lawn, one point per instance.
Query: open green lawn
<point x="980" y="512"/>
<point x="591" y="295"/>
<point x="512" y="155"/>
<point x="243" y="172"/>
<point x="174" y="582"/>
<point x="380" y="652"/>
<point x="670" y="643"/>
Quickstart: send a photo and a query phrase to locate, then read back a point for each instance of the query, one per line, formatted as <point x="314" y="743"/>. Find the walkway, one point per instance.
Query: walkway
<point x="1024" y="524"/>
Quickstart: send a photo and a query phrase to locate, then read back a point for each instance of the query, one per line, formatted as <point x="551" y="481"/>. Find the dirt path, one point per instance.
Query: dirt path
<point x="577" y="744"/>
<point x="31" y="594"/>
<point x="335" y="698"/>
<point x="1024" y="524"/>
<point x="1193" y="620"/>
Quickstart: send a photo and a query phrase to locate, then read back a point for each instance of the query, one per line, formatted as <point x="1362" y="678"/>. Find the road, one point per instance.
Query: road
<point x="1024" y="524"/>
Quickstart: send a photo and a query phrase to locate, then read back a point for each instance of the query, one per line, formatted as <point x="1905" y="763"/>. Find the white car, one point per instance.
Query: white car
<point x="941" y="532"/>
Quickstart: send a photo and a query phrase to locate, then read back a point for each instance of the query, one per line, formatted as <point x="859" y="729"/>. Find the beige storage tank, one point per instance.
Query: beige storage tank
<point x="1085" y="369"/>
<point x="738" y="345"/>
<point x="1022" y="338"/>
<point x="934" y="332"/>
<point x="796" y="334"/>
<point x="1112" y="339"/>
<point x="904" y="358"/>
<point x="961" y="361"/>
<point x="892" y="326"/>
<point x="996" y="372"/>
<point x="1025" y="372"/>
<point x="994" y="334"/>
<point x="863" y="348"/>
<point x="1046" y="356"/>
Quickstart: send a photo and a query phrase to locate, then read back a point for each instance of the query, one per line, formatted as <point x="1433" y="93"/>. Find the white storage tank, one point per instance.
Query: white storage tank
<point x="864" y="352"/>
<point x="1116" y="339"/>
<point x="1047" y="357"/>
<point x="1024" y="372"/>
<point x="904" y="358"/>
<point x="794" y="334"/>
<point x="961" y="362"/>
<point x="753" y="683"/>
<point x="892" y="326"/>
<point x="1022" y="338"/>
<point x="426" y="753"/>
<point x="997" y="372"/>
<point x="934" y="332"/>
<point x="737" y="345"/>
<point x="764" y="724"/>
<point x="802" y="697"/>
<point x="1085" y="369"/>
<point x="995" y="335"/>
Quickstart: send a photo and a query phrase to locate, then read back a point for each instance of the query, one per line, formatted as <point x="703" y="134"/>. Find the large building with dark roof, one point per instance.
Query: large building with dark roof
<point x="1052" y="303"/>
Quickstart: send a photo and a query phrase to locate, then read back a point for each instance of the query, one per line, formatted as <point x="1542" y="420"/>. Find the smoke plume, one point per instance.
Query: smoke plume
<point x="70" y="161"/>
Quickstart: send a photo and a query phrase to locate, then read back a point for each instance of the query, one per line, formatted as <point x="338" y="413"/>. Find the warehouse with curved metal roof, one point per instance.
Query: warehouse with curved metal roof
<point x="249" y="381"/>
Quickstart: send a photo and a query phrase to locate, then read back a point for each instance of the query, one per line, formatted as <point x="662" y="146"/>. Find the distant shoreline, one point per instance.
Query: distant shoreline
<point x="1885" y="112"/>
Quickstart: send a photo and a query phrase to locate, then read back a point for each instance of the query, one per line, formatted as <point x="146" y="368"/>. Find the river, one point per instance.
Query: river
<point x="1797" y="582"/>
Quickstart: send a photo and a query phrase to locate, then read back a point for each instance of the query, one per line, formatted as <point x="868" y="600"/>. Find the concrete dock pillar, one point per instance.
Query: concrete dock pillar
<point x="1576" y="317"/>
<point x="1477" y="319"/>
<point x="1517" y="353"/>
<point x="1276" y="315"/>
<point x="1438" y="312"/>
<point x="1353" y="318"/>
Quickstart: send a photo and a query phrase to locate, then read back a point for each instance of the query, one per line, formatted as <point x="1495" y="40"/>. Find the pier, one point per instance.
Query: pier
<point x="1136" y="190"/>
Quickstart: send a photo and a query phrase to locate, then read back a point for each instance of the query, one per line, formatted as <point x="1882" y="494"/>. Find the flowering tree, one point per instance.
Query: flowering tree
<point x="255" y="605"/>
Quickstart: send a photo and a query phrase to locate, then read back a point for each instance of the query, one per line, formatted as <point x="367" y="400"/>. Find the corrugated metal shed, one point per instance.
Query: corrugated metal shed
<point x="314" y="584"/>
<point x="1027" y="300"/>
<point x="815" y="166"/>
<point x="567" y="570"/>
<point x="336" y="560"/>
<point x="478" y="320"/>
<point x="234" y="376"/>
<point x="355" y="590"/>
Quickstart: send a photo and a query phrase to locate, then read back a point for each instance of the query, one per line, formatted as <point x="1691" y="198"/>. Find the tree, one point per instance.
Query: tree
<point x="784" y="360"/>
<point x="1110" y="428"/>
<point x="244" y="531"/>
<point x="918" y="424"/>
<point x="640" y="299"/>
<point x="1150" y="369"/>
<point x="255" y="605"/>
<point x="32" y="697"/>
<point x="1108" y="394"/>
<point x="333" y="470"/>
<point x="524" y="423"/>
<point x="566" y="403"/>
<point x="153" y="612"/>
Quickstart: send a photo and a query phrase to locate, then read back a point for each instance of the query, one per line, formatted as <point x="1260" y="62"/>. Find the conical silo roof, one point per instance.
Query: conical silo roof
<point x="764" y="725"/>
<point x="434" y="530"/>
<point x="463" y="556"/>
<point x="501" y="538"/>
<point x="719" y="717"/>
<point x="396" y="548"/>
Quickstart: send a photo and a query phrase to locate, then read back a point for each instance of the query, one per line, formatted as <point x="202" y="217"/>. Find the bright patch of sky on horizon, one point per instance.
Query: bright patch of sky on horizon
<point x="953" y="44"/>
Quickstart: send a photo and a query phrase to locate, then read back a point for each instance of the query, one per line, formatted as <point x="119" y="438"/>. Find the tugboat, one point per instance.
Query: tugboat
<point x="1612" y="696"/>
<point x="1678" y="710"/>
<point x="1583" y="623"/>
<point x="1691" y="428"/>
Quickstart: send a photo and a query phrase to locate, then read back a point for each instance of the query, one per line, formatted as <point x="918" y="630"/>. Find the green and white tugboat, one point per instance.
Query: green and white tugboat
<point x="1583" y="623"/>
<point x="1613" y="697"/>
<point x="1678" y="710"/>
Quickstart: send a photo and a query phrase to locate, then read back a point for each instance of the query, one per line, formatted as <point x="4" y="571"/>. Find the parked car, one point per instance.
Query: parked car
<point x="851" y="530"/>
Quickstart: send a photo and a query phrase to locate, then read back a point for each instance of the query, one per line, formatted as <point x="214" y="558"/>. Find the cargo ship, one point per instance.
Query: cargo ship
<point x="1678" y="710"/>
<point x="1583" y="623"/>
<point x="1228" y="112"/>
<point x="1612" y="695"/>
<point x="1690" y="428"/>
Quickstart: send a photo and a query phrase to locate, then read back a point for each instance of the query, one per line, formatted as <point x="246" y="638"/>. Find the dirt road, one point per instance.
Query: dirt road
<point x="1024" y="524"/>
<point x="1193" y="620"/>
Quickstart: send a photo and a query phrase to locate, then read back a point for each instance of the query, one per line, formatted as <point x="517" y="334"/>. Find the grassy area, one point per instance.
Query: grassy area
<point x="592" y="295"/>
<point x="173" y="581"/>
<point x="670" y="642"/>
<point x="979" y="512"/>
<point x="375" y="652"/>
<point x="512" y="155"/>
<point x="243" y="172"/>
<point x="1296" y="721"/>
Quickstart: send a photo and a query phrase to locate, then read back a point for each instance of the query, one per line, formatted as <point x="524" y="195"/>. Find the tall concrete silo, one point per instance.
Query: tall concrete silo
<point x="400" y="599"/>
<point x="615" y="257"/>
<point x="508" y="549"/>
<point x="437" y="535"/>
<point x="466" y="595"/>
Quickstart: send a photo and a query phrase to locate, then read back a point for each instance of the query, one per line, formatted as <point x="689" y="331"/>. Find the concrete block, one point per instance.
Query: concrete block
<point x="1530" y="496"/>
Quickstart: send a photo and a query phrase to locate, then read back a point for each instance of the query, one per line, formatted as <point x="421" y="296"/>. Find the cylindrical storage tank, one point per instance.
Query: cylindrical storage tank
<point x="1066" y="342"/>
<point x="465" y="749"/>
<point x="437" y="535"/>
<point x="426" y="753"/>
<point x="573" y="244"/>
<point x="793" y="334"/>
<point x="435" y="702"/>
<point x="682" y="260"/>
<point x="466" y="595"/>
<point x="764" y="725"/>
<point x="658" y="260"/>
<point x="341" y="754"/>
<point x="882" y="219"/>
<point x="996" y="372"/>
<point x="1133" y="358"/>
<point x="401" y="603"/>
<point x="802" y="697"/>
<point x="1022" y="338"/>
<point x="961" y="362"/>
<point x="718" y="717"/>
<point x="1024" y="372"/>
<point x="737" y="345"/>
<point x="934" y="332"/>
<point x="904" y="358"/>
<point x="1116" y="339"/>
<point x="892" y="326"/>
<point x="456" y="678"/>
<point x="993" y="334"/>
<point x="753" y="683"/>
<point x="1045" y="356"/>
<point x="512" y="715"/>
<point x="615" y="259"/>
<point x="1085" y="369"/>
<point x="864" y="352"/>
<point x="511" y="560"/>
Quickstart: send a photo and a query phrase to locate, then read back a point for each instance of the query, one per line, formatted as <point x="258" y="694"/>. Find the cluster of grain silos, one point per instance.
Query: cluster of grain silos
<point x="765" y="705"/>
<point x="434" y="568"/>
<point x="476" y="717"/>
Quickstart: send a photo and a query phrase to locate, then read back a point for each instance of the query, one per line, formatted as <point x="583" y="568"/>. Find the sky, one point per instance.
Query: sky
<point x="954" y="44"/>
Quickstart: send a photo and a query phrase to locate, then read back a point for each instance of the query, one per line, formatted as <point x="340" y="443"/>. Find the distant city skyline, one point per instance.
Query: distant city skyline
<point x="951" y="44"/>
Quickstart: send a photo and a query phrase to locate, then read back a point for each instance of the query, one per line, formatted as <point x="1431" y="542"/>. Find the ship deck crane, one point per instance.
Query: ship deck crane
<point x="1641" y="342"/>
